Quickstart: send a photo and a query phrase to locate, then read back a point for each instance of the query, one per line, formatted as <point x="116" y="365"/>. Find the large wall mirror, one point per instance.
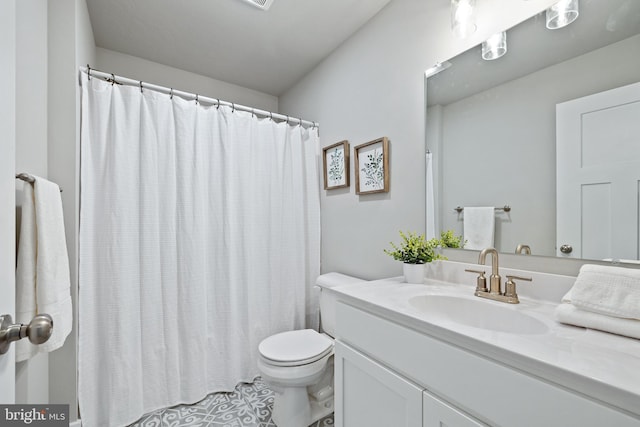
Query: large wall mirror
<point x="552" y="129"/>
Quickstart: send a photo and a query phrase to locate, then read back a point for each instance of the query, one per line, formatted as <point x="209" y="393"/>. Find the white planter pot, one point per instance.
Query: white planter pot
<point x="413" y="273"/>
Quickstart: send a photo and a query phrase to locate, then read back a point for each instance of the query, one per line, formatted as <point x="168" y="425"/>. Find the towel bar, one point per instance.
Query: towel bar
<point x="28" y="178"/>
<point x="505" y="208"/>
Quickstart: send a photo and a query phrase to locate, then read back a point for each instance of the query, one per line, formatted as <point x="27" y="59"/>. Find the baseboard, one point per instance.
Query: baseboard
<point x="76" y="423"/>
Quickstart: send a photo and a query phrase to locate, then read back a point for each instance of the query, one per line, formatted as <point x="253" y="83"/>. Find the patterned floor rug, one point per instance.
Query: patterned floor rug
<point x="249" y="405"/>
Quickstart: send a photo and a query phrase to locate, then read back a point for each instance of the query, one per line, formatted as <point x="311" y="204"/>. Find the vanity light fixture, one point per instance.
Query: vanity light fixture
<point x="562" y="14"/>
<point x="495" y="46"/>
<point x="463" y="17"/>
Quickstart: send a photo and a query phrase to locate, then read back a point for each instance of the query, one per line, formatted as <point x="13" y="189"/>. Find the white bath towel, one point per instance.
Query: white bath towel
<point x="479" y="227"/>
<point x="612" y="291"/>
<point x="42" y="272"/>
<point x="570" y="314"/>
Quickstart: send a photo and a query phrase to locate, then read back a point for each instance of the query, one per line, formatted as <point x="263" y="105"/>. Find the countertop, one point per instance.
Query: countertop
<point x="592" y="363"/>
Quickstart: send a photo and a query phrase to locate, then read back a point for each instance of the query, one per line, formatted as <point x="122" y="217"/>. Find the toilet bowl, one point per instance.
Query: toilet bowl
<point x="298" y="365"/>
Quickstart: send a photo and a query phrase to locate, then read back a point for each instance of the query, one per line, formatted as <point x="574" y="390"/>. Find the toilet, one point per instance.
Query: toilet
<point x="298" y="365"/>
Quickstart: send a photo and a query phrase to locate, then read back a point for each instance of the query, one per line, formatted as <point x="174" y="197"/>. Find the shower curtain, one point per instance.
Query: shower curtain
<point x="199" y="237"/>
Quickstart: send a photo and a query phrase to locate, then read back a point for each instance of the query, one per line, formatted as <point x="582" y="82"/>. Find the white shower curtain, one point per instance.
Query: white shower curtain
<point x="199" y="237"/>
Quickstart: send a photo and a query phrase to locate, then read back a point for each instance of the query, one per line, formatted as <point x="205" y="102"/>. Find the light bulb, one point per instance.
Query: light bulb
<point x="463" y="21"/>
<point x="562" y="14"/>
<point x="495" y="46"/>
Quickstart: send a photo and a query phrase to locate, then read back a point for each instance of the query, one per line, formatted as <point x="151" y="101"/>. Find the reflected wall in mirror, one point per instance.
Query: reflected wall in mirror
<point x="492" y="128"/>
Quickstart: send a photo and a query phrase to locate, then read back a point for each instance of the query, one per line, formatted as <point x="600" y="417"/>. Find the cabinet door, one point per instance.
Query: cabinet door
<point x="369" y="394"/>
<point x="440" y="414"/>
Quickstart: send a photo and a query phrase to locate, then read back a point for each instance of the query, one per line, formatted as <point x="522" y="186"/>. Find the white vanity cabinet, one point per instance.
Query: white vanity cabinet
<point x="368" y="394"/>
<point x="388" y="374"/>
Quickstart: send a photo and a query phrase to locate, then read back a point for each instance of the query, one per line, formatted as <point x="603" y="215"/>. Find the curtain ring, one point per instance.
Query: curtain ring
<point x="218" y="104"/>
<point x="171" y="94"/>
<point x="196" y="98"/>
<point x="287" y="119"/>
<point x="88" y="72"/>
<point x="140" y="86"/>
<point x="113" y="79"/>
<point x="253" y="113"/>
<point x="300" y="122"/>
<point x="233" y="107"/>
<point x="270" y="116"/>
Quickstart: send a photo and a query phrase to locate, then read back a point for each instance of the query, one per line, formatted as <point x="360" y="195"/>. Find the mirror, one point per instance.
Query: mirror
<point x="491" y="125"/>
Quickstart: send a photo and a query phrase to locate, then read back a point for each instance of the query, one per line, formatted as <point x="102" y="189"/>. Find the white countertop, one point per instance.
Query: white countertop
<point x="597" y="364"/>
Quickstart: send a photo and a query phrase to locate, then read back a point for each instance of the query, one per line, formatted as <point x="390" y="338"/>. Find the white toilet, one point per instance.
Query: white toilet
<point x="298" y="365"/>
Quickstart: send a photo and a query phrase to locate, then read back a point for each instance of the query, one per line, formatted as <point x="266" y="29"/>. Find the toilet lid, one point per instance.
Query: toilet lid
<point x="295" y="347"/>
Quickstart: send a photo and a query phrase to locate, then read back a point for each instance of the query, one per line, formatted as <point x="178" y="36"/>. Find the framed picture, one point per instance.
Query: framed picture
<point x="336" y="165"/>
<point x="372" y="167"/>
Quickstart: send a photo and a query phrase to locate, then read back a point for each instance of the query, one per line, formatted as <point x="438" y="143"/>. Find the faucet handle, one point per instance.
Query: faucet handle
<point x="481" y="281"/>
<point x="510" y="287"/>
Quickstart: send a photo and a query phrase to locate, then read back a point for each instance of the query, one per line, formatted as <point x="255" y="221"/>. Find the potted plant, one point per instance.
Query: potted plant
<point x="448" y="239"/>
<point x="414" y="251"/>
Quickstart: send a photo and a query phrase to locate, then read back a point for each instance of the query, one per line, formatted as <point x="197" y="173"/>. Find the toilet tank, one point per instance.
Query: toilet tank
<point x="328" y="299"/>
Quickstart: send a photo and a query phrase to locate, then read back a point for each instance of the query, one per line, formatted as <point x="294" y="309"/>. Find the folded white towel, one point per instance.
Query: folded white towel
<point x="612" y="291"/>
<point x="568" y="313"/>
<point x="42" y="273"/>
<point x="479" y="227"/>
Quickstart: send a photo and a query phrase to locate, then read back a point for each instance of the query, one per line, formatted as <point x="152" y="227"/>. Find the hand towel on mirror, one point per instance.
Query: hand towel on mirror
<point x="612" y="291"/>
<point x="42" y="273"/>
<point x="479" y="227"/>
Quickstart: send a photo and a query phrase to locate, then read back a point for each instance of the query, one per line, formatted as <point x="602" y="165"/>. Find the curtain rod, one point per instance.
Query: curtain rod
<point x="115" y="79"/>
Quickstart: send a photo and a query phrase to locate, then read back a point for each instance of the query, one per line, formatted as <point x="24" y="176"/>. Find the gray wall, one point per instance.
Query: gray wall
<point x="140" y="69"/>
<point x="505" y="138"/>
<point x="70" y="43"/>
<point x="373" y="86"/>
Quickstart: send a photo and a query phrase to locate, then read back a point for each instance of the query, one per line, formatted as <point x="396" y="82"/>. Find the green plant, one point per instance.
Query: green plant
<point x="449" y="240"/>
<point x="414" y="249"/>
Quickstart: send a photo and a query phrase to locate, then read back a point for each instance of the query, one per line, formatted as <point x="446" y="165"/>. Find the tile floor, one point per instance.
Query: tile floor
<point x="249" y="405"/>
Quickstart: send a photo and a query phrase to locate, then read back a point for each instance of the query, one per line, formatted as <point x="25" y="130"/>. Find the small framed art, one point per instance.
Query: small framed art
<point x="372" y="166"/>
<point x="336" y="165"/>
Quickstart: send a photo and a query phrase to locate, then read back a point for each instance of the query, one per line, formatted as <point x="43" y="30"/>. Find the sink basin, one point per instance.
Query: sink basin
<point x="479" y="313"/>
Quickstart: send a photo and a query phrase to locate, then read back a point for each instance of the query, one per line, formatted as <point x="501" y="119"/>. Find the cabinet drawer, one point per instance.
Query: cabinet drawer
<point x="485" y="389"/>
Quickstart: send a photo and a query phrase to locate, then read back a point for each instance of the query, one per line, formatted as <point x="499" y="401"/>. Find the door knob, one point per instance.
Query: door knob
<point x="38" y="330"/>
<point x="566" y="249"/>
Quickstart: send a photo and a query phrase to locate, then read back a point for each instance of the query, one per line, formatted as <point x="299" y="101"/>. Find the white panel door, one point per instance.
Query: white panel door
<point x="598" y="174"/>
<point x="7" y="187"/>
<point x="369" y="394"/>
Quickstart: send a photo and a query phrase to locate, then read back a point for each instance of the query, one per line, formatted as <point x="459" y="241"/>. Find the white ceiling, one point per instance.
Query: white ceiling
<point x="231" y="40"/>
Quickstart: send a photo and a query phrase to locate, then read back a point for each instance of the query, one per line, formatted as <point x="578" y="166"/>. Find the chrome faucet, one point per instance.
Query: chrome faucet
<point x="495" y="281"/>
<point x="523" y="249"/>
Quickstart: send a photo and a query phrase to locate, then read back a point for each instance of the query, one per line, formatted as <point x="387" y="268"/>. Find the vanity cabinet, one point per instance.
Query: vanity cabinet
<point x="369" y="394"/>
<point x="389" y="374"/>
<point x="372" y="395"/>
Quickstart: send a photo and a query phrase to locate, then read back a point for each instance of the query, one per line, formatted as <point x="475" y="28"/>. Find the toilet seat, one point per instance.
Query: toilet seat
<point x="295" y="348"/>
